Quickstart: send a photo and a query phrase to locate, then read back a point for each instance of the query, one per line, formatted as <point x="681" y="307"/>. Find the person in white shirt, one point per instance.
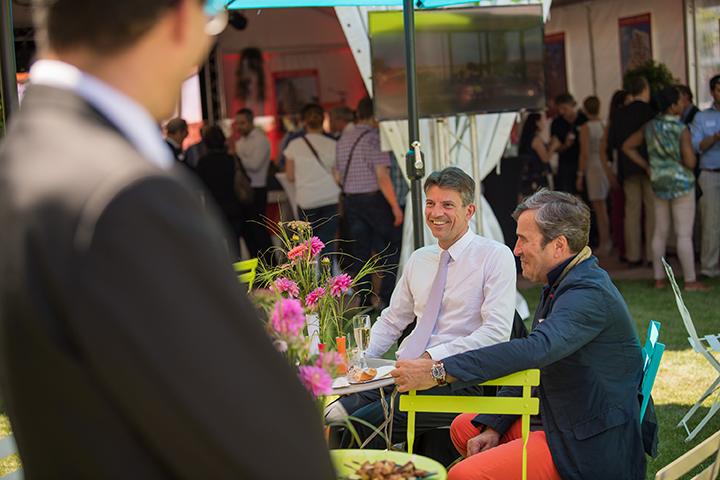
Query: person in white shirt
<point x="309" y="163"/>
<point x="253" y="149"/>
<point x="477" y="307"/>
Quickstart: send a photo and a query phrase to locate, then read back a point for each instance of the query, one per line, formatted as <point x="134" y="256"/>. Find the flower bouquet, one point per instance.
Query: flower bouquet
<point x="306" y="304"/>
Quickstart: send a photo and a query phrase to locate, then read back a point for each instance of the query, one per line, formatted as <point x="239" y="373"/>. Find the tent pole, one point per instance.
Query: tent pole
<point x="413" y="123"/>
<point x="7" y="49"/>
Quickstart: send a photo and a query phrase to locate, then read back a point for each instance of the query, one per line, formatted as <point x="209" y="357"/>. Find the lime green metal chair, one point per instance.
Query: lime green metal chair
<point x="246" y="271"/>
<point x="525" y="405"/>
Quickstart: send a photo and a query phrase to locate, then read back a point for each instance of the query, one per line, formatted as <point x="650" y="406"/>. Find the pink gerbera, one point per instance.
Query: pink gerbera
<point x="287" y="317"/>
<point x="315" y="246"/>
<point x="339" y="284"/>
<point x="316" y="380"/>
<point x="330" y="359"/>
<point x="284" y="285"/>
<point x="296" y="252"/>
<point x="313" y="297"/>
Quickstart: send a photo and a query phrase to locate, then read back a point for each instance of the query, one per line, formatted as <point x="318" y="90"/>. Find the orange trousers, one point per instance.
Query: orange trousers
<point x="503" y="462"/>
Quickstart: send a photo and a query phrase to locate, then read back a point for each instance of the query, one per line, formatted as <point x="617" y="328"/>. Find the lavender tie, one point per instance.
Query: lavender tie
<point x="419" y="339"/>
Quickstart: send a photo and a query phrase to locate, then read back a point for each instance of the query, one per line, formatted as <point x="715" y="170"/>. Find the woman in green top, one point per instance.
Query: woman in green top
<point x="670" y="170"/>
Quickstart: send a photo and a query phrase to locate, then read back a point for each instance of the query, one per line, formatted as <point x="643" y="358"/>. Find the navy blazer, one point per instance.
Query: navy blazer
<point x="586" y="346"/>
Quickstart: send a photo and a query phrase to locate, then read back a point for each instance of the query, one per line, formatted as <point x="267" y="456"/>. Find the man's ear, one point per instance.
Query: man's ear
<point x="561" y="246"/>
<point x="470" y="211"/>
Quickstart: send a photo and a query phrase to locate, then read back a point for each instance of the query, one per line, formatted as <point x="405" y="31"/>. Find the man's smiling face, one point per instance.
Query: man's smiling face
<point x="446" y="216"/>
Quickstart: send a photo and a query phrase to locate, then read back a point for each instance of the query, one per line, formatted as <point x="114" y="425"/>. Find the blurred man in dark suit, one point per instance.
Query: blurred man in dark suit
<point x="176" y="131"/>
<point x="127" y="349"/>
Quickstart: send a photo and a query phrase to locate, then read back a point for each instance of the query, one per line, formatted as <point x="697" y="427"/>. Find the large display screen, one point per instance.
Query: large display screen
<point x="469" y="60"/>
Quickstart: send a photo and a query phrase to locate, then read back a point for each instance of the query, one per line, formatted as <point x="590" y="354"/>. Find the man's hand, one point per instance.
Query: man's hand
<point x="485" y="441"/>
<point x="426" y="355"/>
<point x="398" y="214"/>
<point x="414" y="375"/>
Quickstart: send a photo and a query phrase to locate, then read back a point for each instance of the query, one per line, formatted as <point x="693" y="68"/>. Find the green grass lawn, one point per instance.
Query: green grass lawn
<point x="682" y="378"/>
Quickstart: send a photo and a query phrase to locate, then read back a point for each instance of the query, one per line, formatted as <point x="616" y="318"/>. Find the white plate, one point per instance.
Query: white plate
<point x="381" y="372"/>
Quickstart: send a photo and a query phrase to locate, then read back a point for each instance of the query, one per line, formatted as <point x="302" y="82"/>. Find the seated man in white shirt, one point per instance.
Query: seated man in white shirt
<point x="474" y="309"/>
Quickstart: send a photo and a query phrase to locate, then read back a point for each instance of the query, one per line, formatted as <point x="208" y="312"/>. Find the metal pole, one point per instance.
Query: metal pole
<point x="413" y="123"/>
<point x="7" y="61"/>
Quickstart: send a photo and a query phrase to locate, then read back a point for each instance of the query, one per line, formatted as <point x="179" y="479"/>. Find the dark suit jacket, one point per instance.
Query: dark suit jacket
<point x="590" y="364"/>
<point x="127" y="348"/>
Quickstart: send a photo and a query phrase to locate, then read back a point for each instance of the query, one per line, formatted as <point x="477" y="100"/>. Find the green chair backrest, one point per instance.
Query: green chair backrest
<point x="652" y="354"/>
<point x="7" y="448"/>
<point x="525" y="405"/>
<point x="246" y="271"/>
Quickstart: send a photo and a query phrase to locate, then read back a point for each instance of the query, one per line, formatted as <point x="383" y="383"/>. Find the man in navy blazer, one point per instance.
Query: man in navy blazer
<point x="585" y="344"/>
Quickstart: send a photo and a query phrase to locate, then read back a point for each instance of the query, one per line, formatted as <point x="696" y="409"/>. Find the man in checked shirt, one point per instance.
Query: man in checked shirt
<point x="370" y="203"/>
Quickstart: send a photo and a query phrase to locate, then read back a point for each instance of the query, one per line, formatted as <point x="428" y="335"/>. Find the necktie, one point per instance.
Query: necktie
<point x="419" y="339"/>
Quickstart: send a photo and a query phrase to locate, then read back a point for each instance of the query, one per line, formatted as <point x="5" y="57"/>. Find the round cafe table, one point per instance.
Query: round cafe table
<point x="349" y="388"/>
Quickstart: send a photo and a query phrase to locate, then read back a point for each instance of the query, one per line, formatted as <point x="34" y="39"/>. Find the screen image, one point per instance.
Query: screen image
<point x="469" y="60"/>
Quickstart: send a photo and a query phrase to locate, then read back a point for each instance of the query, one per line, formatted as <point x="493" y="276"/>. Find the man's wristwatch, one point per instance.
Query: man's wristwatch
<point x="438" y="373"/>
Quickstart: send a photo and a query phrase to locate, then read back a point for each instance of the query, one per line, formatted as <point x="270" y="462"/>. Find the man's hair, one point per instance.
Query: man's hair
<point x="558" y="214"/>
<point x="564" y="98"/>
<point x="247" y="112"/>
<point x="106" y="26"/>
<point x="453" y="178"/>
<point x="214" y="138"/>
<point x="342" y="112"/>
<point x="636" y="85"/>
<point x="176" y="125"/>
<point x="592" y="105"/>
<point x="714" y="81"/>
<point x="685" y="90"/>
<point x="365" y="109"/>
<point x="309" y="107"/>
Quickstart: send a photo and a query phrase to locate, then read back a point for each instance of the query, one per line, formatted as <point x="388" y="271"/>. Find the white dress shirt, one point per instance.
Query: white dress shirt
<point x="254" y="152"/>
<point x="478" y="304"/>
<point x="127" y="115"/>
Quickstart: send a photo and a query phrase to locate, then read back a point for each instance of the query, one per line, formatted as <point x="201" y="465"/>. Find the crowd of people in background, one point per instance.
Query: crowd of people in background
<point x="652" y="161"/>
<point x="644" y="170"/>
<point x="321" y="164"/>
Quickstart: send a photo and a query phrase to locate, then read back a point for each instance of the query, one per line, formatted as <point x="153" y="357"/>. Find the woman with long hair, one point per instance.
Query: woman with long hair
<point x="671" y="162"/>
<point x="538" y="167"/>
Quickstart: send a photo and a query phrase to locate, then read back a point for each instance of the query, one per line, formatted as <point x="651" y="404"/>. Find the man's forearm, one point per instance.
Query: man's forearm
<point x="388" y="191"/>
<point x="707" y="143"/>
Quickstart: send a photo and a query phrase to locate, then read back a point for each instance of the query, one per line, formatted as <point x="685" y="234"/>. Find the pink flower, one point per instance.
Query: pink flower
<point x="285" y="285"/>
<point x="315" y="246"/>
<point x="296" y="252"/>
<point x="329" y="359"/>
<point x="339" y="284"/>
<point x="316" y="380"/>
<point x="280" y="345"/>
<point x="287" y="317"/>
<point x="313" y="297"/>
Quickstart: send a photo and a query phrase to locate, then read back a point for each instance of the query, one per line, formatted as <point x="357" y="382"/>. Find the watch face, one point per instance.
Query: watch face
<point x="438" y="371"/>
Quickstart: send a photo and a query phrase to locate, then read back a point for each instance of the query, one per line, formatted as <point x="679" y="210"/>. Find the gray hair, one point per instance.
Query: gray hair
<point x="559" y="214"/>
<point x="453" y="178"/>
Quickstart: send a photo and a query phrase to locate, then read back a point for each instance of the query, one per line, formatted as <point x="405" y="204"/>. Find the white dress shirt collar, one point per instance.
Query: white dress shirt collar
<point x="460" y="245"/>
<point x="124" y="112"/>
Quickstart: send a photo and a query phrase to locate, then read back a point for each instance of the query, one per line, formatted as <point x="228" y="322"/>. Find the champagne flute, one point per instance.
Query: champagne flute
<point x="361" y="329"/>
